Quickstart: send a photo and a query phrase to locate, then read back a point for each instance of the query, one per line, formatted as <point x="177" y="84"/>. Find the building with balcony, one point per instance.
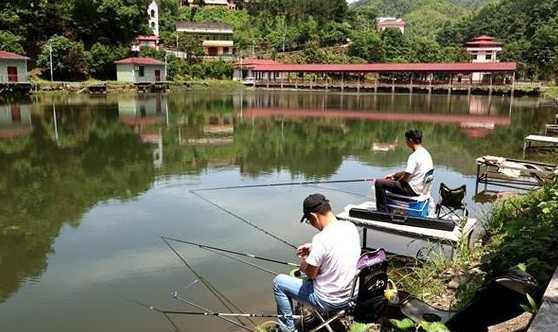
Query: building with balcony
<point x="383" y="23"/>
<point x="216" y="38"/>
<point x="212" y="3"/>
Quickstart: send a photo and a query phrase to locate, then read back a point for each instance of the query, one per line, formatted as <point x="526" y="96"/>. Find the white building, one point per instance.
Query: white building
<point x="140" y="70"/>
<point x="383" y="23"/>
<point x="13" y="68"/>
<point x="483" y="49"/>
<point x="216" y="38"/>
<point x="153" y="15"/>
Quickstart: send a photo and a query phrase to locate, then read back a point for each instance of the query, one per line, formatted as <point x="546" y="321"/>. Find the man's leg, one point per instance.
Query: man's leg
<point x="286" y="289"/>
<point x="381" y="185"/>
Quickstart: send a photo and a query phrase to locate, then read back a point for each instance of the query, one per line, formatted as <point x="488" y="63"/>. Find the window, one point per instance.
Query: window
<point x="225" y="50"/>
<point x="153" y="13"/>
<point x="489" y="57"/>
<point x="141" y="71"/>
<point x="475" y="57"/>
<point x="153" y="25"/>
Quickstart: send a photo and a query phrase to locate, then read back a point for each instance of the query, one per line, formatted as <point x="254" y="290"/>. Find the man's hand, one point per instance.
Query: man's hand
<point x="304" y="250"/>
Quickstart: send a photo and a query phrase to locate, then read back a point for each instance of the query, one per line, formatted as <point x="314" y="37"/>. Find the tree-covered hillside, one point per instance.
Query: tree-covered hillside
<point x="88" y="35"/>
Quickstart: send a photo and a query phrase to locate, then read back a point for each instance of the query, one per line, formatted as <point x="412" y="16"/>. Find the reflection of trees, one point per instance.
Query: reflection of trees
<point x="46" y="184"/>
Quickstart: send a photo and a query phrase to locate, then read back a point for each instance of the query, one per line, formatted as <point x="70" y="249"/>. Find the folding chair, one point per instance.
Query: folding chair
<point x="452" y="202"/>
<point x="368" y="303"/>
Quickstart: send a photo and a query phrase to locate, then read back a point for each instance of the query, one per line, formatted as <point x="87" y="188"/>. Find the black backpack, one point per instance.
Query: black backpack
<point x="370" y="302"/>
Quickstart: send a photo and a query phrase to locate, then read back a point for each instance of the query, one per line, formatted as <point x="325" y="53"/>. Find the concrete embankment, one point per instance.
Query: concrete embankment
<point x="547" y="317"/>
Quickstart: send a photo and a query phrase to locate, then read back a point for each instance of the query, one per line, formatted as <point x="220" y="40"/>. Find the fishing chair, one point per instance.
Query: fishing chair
<point x="451" y="202"/>
<point x="368" y="303"/>
<point x="413" y="205"/>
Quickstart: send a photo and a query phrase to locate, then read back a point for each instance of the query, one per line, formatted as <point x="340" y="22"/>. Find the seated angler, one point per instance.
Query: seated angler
<point x="330" y="262"/>
<point x="409" y="182"/>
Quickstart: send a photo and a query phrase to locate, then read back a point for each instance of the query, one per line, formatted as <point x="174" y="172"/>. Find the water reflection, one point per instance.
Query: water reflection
<point x="114" y="171"/>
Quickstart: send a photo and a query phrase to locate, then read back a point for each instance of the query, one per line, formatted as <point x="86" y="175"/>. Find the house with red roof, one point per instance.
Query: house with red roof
<point x="13" y="68"/>
<point x="483" y="49"/>
<point x="383" y="23"/>
<point x="140" y="70"/>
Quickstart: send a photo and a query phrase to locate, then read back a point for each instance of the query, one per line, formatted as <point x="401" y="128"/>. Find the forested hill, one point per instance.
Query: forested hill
<point x="425" y="18"/>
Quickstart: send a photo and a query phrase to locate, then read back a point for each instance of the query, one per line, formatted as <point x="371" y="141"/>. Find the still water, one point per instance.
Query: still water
<point x="89" y="184"/>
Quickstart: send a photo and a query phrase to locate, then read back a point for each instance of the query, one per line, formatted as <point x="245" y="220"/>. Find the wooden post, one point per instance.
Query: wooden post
<point x="342" y="81"/>
<point x="513" y="83"/>
<point x="430" y="83"/>
<point x="490" y="89"/>
<point x="358" y="83"/>
<point x="450" y="84"/>
<point x="376" y="85"/>
<point x="411" y="85"/>
<point x="392" y="85"/>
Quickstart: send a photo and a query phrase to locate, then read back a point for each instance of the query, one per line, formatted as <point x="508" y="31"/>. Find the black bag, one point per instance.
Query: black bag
<point x="373" y="280"/>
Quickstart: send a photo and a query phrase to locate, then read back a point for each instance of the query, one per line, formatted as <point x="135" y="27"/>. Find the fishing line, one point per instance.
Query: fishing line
<point x="339" y="190"/>
<point x="204" y="246"/>
<point x="220" y="297"/>
<point x="246" y="221"/>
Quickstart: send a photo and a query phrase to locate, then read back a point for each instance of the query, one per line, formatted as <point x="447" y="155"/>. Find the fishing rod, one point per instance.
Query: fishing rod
<point x="175" y="295"/>
<point x="218" y="295"/>
<point x="231" y="252"/>
<point x="223" y="314"/>
<point x="152" y="308"/>
<point x="244" y="220"/>
<point x="283" y="184"/>
<point x="339" y="190"/>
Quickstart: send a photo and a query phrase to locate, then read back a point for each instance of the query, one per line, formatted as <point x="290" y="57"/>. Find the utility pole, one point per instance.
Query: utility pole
<point x="50" y="56"/>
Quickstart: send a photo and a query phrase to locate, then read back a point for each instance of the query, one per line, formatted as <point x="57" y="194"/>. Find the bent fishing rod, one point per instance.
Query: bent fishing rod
<point x="283" y="184"/>
<point x="204" y="246"/>
<point x="217" y="294"/>
<point x="244" y="220"/>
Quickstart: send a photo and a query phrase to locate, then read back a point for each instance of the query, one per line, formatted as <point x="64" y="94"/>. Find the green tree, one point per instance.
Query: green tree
<point x="69" y="59"/>
<point x="363" y="18"/>
<point x="366" y="45"/>
<point x="192" y="46"/>
<point x="10" y="42"/>
<point x="396" y="46"/>
<point x="544" y="49"/>
<point x="101" y="60"/>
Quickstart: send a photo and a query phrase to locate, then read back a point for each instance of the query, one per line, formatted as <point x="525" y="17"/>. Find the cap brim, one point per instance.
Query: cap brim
<point x="303" y="217"/>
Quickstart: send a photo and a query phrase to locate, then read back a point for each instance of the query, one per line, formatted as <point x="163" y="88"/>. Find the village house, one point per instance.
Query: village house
<point x="383" y="23"/>
<point x="216" y="38"/>
<point x="13" y="68"/>
<point x="140" y="70"/>
<point x="145" y="41"/>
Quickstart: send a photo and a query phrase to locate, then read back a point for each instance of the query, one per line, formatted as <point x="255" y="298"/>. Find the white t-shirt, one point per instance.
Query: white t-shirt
<point x="335" y="250"/>
<point x="419" y="163"/>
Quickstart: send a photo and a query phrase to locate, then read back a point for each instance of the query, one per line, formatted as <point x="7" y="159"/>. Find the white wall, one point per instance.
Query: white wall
<point x="21" y="66"/>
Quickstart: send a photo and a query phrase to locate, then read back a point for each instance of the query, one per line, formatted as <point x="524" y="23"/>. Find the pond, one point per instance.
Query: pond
<point x="90" y="183"/>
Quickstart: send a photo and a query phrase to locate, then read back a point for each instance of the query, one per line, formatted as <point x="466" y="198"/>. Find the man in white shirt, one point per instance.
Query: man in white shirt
<point x="410" y="182"/>
<point x="330" y="262"/>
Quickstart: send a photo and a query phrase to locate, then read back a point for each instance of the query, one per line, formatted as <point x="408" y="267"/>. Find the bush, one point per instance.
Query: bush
<point x="69" y="60"/>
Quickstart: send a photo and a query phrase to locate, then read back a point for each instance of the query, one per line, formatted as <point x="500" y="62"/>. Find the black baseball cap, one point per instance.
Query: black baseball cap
<point x="312" y="203"/>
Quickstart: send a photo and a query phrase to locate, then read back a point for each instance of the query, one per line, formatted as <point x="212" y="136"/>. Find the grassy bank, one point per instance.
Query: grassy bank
<point x="550" y="92"/>
<point x="61" y="87"/>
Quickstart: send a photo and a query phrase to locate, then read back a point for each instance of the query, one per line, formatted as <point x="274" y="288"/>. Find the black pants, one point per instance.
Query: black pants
<point x="392" y="186"/>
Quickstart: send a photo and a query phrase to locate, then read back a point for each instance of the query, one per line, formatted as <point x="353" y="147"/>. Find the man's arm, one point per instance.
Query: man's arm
<point x="310" y="270"/>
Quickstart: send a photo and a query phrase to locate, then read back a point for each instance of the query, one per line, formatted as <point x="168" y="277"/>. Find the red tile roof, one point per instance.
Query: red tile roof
<point x="153" y="38"/>
<point x="12" y="56"/>
<point x="484" y="41"/>
<point x="457" y="67"/>
<point x="139" y="61"/>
